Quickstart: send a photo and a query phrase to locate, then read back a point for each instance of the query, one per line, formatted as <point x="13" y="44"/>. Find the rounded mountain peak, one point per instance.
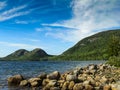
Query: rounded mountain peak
<point x="39" y="51"/>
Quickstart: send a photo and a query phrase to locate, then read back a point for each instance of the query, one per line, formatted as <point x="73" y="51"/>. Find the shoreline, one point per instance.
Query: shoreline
<point x="91" y="77"/>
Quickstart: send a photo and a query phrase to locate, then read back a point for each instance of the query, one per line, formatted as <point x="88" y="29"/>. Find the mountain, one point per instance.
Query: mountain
<point x="16" y="54"/>
<point x="90" y="48"/>
<point x="23" y="54"/>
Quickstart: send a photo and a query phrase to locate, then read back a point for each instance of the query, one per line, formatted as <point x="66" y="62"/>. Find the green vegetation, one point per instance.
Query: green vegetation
<point x="101" y="46"/>
<point x="114" y="51"/>
<point x="22" y="54"/>
<point x="94" y="47"/>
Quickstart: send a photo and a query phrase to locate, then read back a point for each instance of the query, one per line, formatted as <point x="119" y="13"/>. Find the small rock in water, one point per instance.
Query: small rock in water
<point x="15" y="80"/>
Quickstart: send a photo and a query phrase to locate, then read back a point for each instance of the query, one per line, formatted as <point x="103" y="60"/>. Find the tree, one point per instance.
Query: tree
<point x="114" y="46"/>
<point x="114" y="51"/>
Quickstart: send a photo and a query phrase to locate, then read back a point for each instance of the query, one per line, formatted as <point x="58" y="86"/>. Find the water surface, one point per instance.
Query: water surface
<point x="34" y="68"/>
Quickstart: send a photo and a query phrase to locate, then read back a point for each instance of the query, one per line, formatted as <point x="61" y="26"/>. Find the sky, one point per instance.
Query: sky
<point x="53" y="25"/>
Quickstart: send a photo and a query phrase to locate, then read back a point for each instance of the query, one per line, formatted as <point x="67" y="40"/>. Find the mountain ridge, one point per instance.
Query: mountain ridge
<point x="93" y="47"/>
<point x="22" y="54"/>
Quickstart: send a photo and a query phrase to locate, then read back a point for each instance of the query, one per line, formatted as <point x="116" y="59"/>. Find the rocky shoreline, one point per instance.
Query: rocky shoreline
<point x="91" y="77"/>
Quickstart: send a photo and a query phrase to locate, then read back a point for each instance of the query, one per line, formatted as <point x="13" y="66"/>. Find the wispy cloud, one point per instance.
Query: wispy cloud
<point x="32" y="40"/>
<point x="89" y="16"/>
<point x="2" y="5"/>
<point x="21" y="22"/>
<point x="45" y="28"/>
<point x="14" y="12"/>
<point x="20" y="45"/>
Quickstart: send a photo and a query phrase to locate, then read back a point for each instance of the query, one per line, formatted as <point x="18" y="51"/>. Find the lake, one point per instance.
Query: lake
<point x="34" y="68"/>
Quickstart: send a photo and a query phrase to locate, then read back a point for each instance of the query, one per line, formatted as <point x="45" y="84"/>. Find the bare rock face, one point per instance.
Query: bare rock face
<point x="54" y="76"/>
<point x="15" y="80"/>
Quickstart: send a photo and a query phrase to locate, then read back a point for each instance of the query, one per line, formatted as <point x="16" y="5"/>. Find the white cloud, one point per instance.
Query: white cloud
<point x="21" y="22"/>
<point x="14" y="12"/>
<point x="45" y="28"/>
<point x="2" y="5"/>
<point x="89" y="17"/>
<point x="20" y="45"/>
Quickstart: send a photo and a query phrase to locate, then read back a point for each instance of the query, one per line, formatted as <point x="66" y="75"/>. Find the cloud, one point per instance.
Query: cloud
<point x="89" y="17"/>
<point x="2" y="5"/>
<point x="14" y="12"/>
<point x="20" y="45"/>
<point x="45" y="28"/>
<point x="33" y="40"/>
<point x="21" y="22"/>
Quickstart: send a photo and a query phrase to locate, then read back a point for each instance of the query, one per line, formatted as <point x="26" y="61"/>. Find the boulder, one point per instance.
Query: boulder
<point x="34" y="79"/>
<point x="92" y="67"/>
<point x="86" y="83"/>
<point x="115" y="86"/>
<point x="15" y="80"/>
<point x="42" y="76"/>
<point x="104" y="80"/>
<point x="88" y="87"/>
<point x="78" y="86"/>
<point x="65" y="85"/>
<point x="35" y="82"/>
<point x="107" y="87"/>
<point x="55" y="88"/>
<point x="54" y="76"/>
<point x="71" y="85"/>
<point x="45" y="82"/>
<point x="71" y="78"/>
<point x="52" y="83"/>
<point x="24" y="83"/>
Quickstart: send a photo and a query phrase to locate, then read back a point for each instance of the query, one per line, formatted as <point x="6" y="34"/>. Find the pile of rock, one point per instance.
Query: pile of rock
<point x="92" y="77"/>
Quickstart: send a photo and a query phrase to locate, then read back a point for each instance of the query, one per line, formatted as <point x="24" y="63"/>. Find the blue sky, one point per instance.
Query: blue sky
<point x="53" y="25"/>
